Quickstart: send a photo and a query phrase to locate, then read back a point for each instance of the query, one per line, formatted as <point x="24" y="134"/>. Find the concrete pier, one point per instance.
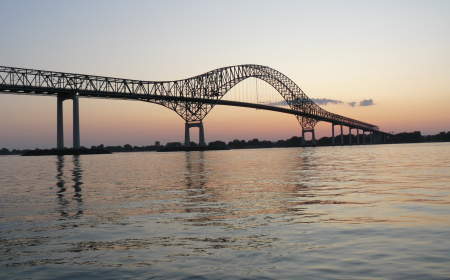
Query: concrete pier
<point x="59" y="123"/>
<point x="201" y="133"/>
<point x="313" y="139"/>
<point x="76" y="123"/>
<point x="187" y="136"/>
<point x="350" y="135"/>
<point x="333" y="140"/>
<point x="342" y="135"/>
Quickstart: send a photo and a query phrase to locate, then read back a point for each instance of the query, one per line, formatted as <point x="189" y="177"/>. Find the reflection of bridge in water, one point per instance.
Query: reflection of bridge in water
<point x="214" y="195"/>
<point x="61" y="184"/>
<point x="191" y="98"/>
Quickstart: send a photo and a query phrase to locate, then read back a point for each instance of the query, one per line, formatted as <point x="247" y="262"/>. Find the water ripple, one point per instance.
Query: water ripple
<point x="331" y="212"/>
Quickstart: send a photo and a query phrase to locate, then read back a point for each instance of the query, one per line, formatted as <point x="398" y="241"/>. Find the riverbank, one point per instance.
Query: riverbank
<point x="405" y="137"/>
<point x="51" y="152"/>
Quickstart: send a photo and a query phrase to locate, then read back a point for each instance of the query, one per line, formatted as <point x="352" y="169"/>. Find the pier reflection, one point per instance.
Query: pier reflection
<point x="215" y="195"/>
<point x="199" y="195"/>
<point x="65" y="207"/>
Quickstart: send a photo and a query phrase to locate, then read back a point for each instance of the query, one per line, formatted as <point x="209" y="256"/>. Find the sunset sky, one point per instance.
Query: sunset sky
<point x="396" y="53"/>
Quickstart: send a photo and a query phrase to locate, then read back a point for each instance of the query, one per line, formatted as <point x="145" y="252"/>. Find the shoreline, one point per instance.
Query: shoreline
<point x="53" y="152"/>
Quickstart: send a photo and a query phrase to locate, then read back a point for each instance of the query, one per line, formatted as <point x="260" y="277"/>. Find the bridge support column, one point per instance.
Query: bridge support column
<point x="60" y="123"/>
<point x="349" y="135"/>
<point x="76" y="123"/>
<point x="342" y="135"/>
<point x="371" y="137"/>
<point x="313" y="139"/>
<point x="201" y="133"/>
<point x="303" y="137"/>
<point x="357" y="136"/>
<point x="333" y="140"/>
<point x="187" y="137"/>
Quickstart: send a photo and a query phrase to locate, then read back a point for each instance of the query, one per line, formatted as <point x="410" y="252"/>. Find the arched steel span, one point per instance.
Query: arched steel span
<point x="191" y="98"/>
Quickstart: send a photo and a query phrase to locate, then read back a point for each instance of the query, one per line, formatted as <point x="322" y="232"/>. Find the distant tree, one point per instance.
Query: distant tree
<point x="407" y="137"/>
<point x="173" y="144"/>
<point x="193" y="144"/>
<point x="127" y="147"/>
<point x="237" y="144"/>
<point x="294" y="141"/>
<point x="253" y="143"/>
<point x="217" y="145"/>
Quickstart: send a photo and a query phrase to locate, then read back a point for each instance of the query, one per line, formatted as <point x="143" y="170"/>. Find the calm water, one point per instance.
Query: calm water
<point x="360" y="212"/>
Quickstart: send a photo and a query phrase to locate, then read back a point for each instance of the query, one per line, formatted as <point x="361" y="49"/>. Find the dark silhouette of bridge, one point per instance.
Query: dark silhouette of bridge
<point x="191" y="98"/>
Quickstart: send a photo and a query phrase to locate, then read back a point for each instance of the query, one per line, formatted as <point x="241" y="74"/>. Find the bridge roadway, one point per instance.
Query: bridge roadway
<point x="40" y="82"/>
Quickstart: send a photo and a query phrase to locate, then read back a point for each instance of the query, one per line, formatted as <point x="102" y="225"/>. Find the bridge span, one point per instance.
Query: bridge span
<point x="191" y="98"/>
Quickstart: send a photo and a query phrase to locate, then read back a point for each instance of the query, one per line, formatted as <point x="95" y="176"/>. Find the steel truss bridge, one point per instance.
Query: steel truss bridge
<point x="191" y="98"/>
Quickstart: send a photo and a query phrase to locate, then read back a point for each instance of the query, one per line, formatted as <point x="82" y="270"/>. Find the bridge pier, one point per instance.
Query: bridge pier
<point x="60" y="122"/>
<point x="333" y="140"/>
<point x="76" y="123"/>
<point x="313" y="139"/>
<point x="187" y="136"/>
<point x="342" y="135"/>
<point x="350" y="135"/>
<point x="201" y="133"/>
<point x="357" y="136"/>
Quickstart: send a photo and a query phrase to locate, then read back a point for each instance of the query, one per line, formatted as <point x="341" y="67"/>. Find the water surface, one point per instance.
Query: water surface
<point x="354" y="212"/>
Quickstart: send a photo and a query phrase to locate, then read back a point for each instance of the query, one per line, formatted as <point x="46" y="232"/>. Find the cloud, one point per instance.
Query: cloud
<point x="366" y="102"/>
<point x="319" y="101"/>
<point x="327" y="101"/>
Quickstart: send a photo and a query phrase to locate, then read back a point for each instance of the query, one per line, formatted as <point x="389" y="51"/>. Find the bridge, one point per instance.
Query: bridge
<point x="192" y="98"/>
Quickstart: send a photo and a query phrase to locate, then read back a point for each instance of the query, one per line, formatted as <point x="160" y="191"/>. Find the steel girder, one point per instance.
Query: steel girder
<point x="182" y="96"/>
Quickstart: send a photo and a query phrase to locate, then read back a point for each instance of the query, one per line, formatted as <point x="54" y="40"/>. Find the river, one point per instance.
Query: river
<point x="351" y="212"/>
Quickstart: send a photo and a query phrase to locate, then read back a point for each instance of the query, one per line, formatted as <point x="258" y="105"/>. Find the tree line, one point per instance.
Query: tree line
<point x="295" y="141"/>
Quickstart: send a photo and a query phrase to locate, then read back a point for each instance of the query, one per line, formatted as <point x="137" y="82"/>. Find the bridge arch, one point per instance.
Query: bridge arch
<point x="217" y="83"/>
